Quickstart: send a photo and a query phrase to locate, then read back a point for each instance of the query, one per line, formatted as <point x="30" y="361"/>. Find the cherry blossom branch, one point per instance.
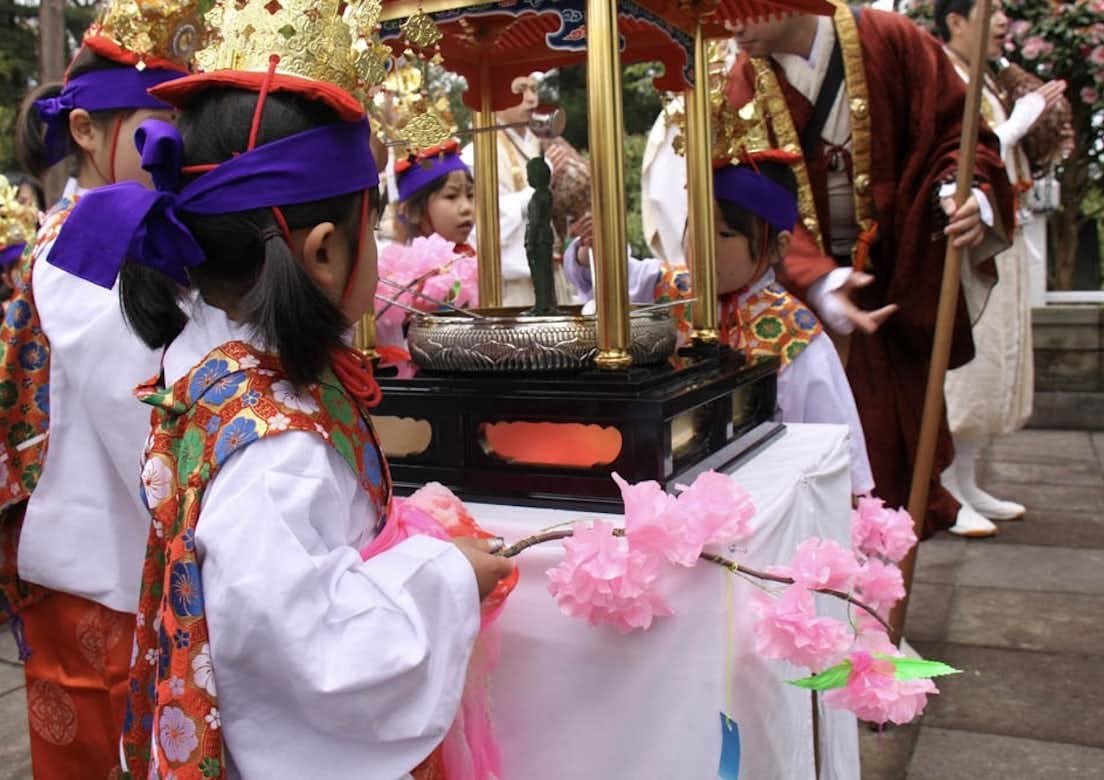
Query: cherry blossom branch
<point x="736" y="568"/>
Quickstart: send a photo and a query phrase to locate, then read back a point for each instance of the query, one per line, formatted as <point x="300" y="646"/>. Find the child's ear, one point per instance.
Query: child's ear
<point x="83" y="130"/>
<point x="782" y="243"/>
<point x="319" y="260"/>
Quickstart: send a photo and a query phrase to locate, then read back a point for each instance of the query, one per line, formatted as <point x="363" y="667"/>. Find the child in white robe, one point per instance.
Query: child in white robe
<point x="265" y="646"/>
<point x="754" y="214"/>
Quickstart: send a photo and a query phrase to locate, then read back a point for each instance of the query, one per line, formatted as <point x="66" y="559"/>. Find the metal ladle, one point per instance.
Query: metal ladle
<point x="546" y="122"/>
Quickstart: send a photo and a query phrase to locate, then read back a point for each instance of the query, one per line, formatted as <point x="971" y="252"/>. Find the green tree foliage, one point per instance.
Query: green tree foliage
<point x="18" y="63"/>
<point x="19" y="59"/>
<point x="641" y="101"/>
<point x="641" y="104"/>
<point x="1062" y="39"/>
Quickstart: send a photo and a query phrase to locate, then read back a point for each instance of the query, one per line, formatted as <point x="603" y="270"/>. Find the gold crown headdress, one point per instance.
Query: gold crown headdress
<point x="18" y="222"/>
<point x="149" y="31"/>
<point x="738" y="131"/>
<point x="318" y="40"/>
<point x="411" y="111"/>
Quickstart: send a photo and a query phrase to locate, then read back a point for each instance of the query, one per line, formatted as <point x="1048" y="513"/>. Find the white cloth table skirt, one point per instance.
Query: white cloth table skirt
<point x="571" y="701"/>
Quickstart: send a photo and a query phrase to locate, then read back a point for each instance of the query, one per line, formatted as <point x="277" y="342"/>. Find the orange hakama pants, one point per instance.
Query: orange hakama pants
<point x="76" y="686"/>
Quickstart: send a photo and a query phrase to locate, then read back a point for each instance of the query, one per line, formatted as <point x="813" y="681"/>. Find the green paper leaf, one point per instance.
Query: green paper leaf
<point x="918" y="668"/>
<point x="834" y="677"/>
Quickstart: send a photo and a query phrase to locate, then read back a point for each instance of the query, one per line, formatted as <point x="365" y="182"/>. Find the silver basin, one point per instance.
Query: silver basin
<point x="505" y="341"/>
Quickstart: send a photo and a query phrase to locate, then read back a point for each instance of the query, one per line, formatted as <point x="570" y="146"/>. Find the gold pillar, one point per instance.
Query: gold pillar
<point x="607" y="160"/>
<point x="364" y="335"/>
<point x="486" y="203"/>
<point x="699" y="178"/>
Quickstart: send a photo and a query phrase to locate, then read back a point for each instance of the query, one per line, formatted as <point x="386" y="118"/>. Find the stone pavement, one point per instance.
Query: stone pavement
<point x="1021" y="614"/>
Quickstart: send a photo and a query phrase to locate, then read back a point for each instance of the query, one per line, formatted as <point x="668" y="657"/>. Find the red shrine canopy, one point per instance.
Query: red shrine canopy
<point x="502" y="40"/>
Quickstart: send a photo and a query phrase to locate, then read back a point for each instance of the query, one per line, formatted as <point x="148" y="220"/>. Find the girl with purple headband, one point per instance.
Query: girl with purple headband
<point x="436" y="196"/>
<point x="265" y="646"/>
<point x="72" y="522"/>
<point x="754" y="212"/>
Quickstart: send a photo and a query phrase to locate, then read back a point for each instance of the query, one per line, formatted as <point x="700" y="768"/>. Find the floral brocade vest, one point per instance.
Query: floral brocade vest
<point x="771" y="321"/>
<point x="24" y="412"/>
<point x="236" y="396"/>
<point x="672" y="285"/>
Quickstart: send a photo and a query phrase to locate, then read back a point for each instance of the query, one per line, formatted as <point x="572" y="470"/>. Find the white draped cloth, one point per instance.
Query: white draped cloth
<point x="574" y="701"/>
<point x="992" y="395"/>
<point x="325" y="665"/>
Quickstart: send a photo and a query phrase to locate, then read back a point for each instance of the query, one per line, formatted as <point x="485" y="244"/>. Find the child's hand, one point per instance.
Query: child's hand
<point x="489" y="569"/>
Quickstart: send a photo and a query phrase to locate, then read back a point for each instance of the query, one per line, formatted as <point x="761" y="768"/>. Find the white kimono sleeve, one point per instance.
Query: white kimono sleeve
<point x="814" y="389"/>
<point x="326" y="665"/>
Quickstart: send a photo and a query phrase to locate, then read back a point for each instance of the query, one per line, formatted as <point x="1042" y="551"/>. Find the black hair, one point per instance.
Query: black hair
<point x="249" y="265"/>
<point x="943" y="9"/>
<point x="412" y="211"/>
<point x="17" y="180"/>
<point x="30" y="130"/>
<point x="750" y="225"/>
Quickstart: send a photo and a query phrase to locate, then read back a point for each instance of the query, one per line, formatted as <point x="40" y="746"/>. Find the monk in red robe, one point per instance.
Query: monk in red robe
<point x="880" y="149"/>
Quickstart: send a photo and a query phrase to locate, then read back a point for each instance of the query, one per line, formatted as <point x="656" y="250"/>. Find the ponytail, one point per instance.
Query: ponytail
<point x="290" y="313"/>
<point x="151" y="305"/>
<point x="30" y="132"/>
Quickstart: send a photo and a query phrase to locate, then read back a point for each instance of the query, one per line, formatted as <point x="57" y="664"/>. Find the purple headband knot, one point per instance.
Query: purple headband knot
<point x="423" y="173"/>
<point x="10" y="254"/>
<point x="753" y="191"/>
<point x="146" y="227"/>
<point x="110" y="89"/>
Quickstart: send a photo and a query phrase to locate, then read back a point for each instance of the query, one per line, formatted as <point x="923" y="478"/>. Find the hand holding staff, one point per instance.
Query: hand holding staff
<point x="948" y="305"/>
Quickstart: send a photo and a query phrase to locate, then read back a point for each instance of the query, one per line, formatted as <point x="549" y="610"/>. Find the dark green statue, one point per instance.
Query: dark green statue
<point x="539" y="238"/>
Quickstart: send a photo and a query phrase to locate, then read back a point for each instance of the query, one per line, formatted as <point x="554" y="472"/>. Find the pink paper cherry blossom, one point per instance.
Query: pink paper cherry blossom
<point x="789" y="629"/>
<point x="601" y="580"/>
<point x="898" y="534"/>
<point x="880" y="585"/>
<point x="655" y="524"/>
<point x="878" y="530"/>
<point x="874" y="693"/>
<point x="823" y="564"/>
<point x="717" y="508"/>
<point x="403" y="264"/>
<point x="871" y="636"/>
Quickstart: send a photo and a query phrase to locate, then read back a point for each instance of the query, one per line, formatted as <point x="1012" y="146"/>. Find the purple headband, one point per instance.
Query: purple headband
<point x="145" y="226"/>
<point x="9" y="254"/>
<point x="425" y="172"/>
<point x="111" y="89"/>
<point x="755" y="192"/>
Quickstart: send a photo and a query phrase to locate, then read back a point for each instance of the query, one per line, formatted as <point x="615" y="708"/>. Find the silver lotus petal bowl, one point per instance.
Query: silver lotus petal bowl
<point x="506" y="341"/>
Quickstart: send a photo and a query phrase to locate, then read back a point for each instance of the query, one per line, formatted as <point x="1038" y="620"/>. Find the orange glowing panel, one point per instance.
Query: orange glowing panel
<point x="573" y="445"/>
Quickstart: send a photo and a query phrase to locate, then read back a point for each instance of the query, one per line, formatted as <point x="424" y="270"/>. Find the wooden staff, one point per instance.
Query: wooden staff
<point x="948" y="306"/>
